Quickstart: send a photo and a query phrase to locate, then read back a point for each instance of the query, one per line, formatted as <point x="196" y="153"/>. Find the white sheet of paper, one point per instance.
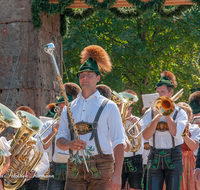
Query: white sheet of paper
<point x="149" y="99"/>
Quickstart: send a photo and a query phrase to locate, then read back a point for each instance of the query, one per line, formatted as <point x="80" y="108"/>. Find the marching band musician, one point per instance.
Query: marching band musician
<point x="191" y="143"/>
<point x="32" y="177"/>
<point x="194" y="102"/>
<point x="145" y="154"/>
<point x="5" y="146"/>
<point x="164" y="135"/>
<point x="48" y="116"/>
<point x="57" y="157"/>
<point x="107" y="132"/>
<point x="132" y="165"/>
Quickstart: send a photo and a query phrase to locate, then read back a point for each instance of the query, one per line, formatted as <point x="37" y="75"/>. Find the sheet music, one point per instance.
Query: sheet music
<point x="149" y="99"/>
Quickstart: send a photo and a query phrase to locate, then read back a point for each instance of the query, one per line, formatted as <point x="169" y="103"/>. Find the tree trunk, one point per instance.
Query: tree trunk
<point x="34" y="82"/>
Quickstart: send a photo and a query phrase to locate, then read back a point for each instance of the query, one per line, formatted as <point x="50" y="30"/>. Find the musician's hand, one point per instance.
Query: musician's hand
<point x="186" y="130"/>
<point x="197" y="175"/>
<point x="132" y="119"/>
<point x="55" y="128"/>
<point x="158" y="114"/>
<point x="77" y="144"/>
<point x="115" y="182"/>
<point x="29" y="175"/>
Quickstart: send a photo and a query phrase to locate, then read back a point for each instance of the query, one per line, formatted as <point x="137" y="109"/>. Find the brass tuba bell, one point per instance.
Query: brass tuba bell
<point x="136" y="143"/>
<point x="124" y="100"/>
<point x="20" y="150"/>
<point x="7" y="118"/>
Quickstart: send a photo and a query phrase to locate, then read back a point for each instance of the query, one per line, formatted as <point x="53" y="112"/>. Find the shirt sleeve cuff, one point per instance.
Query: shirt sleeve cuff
<point x="117" y="142"/>
<point x="40" y="147"/>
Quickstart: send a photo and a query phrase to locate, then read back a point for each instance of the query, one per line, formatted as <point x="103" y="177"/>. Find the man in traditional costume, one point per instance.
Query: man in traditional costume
<point x="32" y="177"/>
<point x="101" y="132"/>
<point x="164" y="135"/>
<point x="132" y="165"/>
<point x="57" y="157"/>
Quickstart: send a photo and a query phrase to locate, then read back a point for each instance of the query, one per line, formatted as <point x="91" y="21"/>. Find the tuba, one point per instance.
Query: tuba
<point x="21" y="148"/>
<point x="7" y="118"/>
<point x="124" y="100"/>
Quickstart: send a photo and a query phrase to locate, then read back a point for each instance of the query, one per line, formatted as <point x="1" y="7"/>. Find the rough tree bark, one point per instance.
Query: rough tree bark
<point x="34" y="83"/>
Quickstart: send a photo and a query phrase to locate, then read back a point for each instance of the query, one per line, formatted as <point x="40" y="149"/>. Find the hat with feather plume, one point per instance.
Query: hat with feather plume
<point x="167" y="79"/>
<point x="94" y="58"/>
<point x="194" y="101"/>
<point x="51" y="110"/>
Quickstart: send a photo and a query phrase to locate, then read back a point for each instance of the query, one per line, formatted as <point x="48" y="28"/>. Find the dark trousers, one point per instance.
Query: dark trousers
<point x="101" y="170"/>
<point x="132" y="171"/>
<point x="43" y="184"/>
<point x="144" y="178"/>
<point x="58" y="170"/>
<point x="164" y="164"/>
<point x="32" y="184"/>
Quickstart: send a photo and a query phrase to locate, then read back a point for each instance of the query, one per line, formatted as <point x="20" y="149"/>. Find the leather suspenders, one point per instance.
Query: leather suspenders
<point x="94" y="128"/>
<point x="174" y="117"/>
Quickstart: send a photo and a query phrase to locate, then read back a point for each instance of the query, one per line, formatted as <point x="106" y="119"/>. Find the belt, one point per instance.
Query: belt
<point x="83" y="127"/>
<point x="147" y="146"/>
<point x="162" y="126"/>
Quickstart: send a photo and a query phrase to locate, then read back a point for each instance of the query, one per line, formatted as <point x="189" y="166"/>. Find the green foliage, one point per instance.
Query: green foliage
<point x="140" y="50"/>
<point x="39" y="6"/>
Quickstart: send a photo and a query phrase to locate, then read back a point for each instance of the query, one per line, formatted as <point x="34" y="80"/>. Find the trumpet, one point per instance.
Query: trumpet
<point x="56" y="119"/>
<point x="163" y="105"/>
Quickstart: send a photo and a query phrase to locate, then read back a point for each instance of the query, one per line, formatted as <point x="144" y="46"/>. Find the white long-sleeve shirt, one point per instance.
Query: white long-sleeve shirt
<point x="110" y="129"/>
<point x="49" y="150"/>
<point x="163" y="140"/>
<point x="5" y="146"/>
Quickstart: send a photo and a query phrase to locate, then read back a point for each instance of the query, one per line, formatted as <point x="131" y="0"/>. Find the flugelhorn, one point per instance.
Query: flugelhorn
<point x="163" y="105"/>
<point x="49" y="48"/>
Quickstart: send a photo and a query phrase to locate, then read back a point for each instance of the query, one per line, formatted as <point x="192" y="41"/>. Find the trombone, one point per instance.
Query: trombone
<point x="164" y="105"/>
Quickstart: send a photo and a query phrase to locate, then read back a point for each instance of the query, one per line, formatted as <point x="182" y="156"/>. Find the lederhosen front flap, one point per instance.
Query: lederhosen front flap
<point x="174" y="117"/>
<point x="163" y="155"/>
<point x="88" y="127"/>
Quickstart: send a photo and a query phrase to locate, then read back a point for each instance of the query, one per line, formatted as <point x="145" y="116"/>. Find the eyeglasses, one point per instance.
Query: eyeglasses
<point x="89" y="75"/>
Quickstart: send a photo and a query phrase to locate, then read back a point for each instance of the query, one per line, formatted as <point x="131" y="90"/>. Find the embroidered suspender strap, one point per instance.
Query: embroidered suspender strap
<point x="95" y="122"/>
<point x="94" y="127"/>
<point x="175" y="115"/>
